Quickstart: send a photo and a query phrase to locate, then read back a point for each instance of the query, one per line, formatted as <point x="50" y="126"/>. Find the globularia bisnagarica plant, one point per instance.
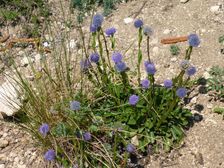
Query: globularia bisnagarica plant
<point x="97" y="117"/>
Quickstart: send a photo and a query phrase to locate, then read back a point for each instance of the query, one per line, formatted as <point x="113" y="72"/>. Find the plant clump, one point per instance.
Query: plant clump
<point x="91" y="120"/>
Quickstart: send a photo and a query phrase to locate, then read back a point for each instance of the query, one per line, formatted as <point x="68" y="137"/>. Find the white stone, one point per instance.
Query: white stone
<point x="46" y="44"/>
<point x="184" y="1"/>
<point x="38" y="57"/>
<point x="9" y="103"/>
<point x="26" y="61"/>
<point x="206" y="75"/>
<point x="2" y="166"/>
<point x="209" y="106"/>
<point x="214" y="9"/>
<point x="203" y="30"/>
<point x="135" y="141"/>
<point x="194" y="100"/>
<point x="72" y="44"/>
<point x="128" y="20"/>
<point x="174" y="59"/>
<point x="166" y="31"/>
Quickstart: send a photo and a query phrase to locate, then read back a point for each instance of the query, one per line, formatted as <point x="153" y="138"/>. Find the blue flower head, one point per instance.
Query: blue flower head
<point x="147" y="31"/>
<point x="87" y="136"/>
<point x="191" y="71"/>
<point x="151" y="69"/>
<point x="50" y="155"/>
<point x="181" y="92"/>
<point x="138" y="23"/>
<point x="120" y="66"/>
<point x="145" y="83"/>
<point x="111" y="31"/>
<point x="146" y="63"/>
<point x="93" y="28"/>
<point x="97" y="20"/>
<point x="94" y="57"/>
<point x="193" y="40"/>
<point x="44" y="129"/>
<point x="168" y="83"/>
<point x="117" y="57"/>
<point x="75" y="105"/>
<point x="130" y="148"/>
<point x="85" y="64"/>
<point x="184" y="64"/>
<point x="133" y="99"/>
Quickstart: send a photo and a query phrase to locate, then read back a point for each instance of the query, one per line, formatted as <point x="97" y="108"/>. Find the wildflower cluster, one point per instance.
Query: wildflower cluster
<point x="97" y="118"/>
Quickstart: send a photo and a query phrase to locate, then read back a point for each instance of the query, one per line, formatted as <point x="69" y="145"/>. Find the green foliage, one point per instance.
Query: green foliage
<point x="219" y="110"/>
<point x="84" y="6"/>
<point x="31" y="11"/>
<point x="221" y="39"/>
<point x="174" y="49"/>
<point x="216" y="81"/>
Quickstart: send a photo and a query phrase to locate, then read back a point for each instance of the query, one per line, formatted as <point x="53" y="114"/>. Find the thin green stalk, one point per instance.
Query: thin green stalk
<point x="148" y="49"/>
<point x="106" y="47"/>
<point x="139" y="54"/>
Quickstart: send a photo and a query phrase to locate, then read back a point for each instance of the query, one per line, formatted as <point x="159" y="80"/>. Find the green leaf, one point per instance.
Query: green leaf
<point x="177" y="132"/>
<point x="139" y="57"/>
<point x="148" y="124"/>
<point x="93" y="128"/>
<point x="131" y="121"/>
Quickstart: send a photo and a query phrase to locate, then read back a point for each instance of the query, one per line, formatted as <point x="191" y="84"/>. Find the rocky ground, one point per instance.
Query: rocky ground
<point x="203" y="145"/>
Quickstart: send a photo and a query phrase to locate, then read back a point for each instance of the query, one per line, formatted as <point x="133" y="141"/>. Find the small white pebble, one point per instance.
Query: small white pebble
<point x="128" y="20"/>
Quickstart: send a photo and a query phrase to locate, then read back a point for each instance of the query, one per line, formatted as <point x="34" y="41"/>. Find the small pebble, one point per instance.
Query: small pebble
<point x="174" y="59"/>
<point x="184" y="1"/>
<point x="3" y="143"/>
<point x="209" y="106"/>
<point x="167" y="31"/>
<point x="215" y="9"/>
<point x="2" y="166"/>
<point x="128" y="20"/>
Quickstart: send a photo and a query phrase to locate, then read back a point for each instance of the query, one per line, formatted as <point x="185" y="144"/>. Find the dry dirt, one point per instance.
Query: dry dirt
<point x="203" y="146"/>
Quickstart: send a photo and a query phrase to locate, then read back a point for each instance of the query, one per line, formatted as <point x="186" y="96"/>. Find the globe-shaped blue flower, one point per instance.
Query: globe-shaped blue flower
<point x="145" y="83"/>
<point x="130" y="148"/>
<point x="147" y="31"/>
<point x="97" y="20"/>
<point x="191" y="71"/>
<point x="133" y="99"/>
<point x="93" y="28"/>
<point x="87" y="136"/>
<point x="168" y="83"/>
<point x="111" y="31"/>
<point x="117" y="57"/>
<point x="184" y="64"/>
<point x="44" y="129"/>
<point x="94" y="57"/>
<point x="75" y="105"/>
<point x="120" y="66"/>
<point x="193" y="40"/>
<point x="151" y="69"/>
<point x="181" y="92"/>
<point x="50" y="155"/>
<point x="138" y="23"/>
